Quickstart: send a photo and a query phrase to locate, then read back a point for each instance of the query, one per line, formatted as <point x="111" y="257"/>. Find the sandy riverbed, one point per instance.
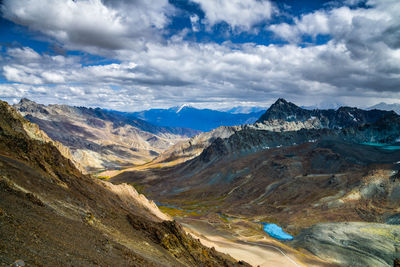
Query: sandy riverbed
<point x="264" y="253"/>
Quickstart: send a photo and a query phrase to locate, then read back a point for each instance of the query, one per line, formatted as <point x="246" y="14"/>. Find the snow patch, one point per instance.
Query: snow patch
<point x="351" y="115"/>
<point x="290" y="117"/>
<point x="184" y="105"/>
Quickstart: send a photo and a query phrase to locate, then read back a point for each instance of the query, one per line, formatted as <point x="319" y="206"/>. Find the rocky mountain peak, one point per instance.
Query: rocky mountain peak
<point x="180" y="108"/>
<point x="25" y="100"/>
<point x="29" y="106"/>
<point x="281" y="101"/>
<point x="184" y="106"/>
<point x="325" y="118"/>
<point x="284" y="110"/>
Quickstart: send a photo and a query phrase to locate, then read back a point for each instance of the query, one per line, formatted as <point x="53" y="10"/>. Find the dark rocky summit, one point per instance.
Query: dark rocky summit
<point x="340" y="118"/>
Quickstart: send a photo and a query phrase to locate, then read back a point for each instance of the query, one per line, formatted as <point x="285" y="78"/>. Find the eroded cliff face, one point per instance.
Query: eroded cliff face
<point x="129" y="196"/>
<point x="52" y="214"/>
<point x="34" y="132"/>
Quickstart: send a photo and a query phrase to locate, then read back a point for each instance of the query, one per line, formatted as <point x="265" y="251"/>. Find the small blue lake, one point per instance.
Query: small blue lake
<point x="276" y="231"/>
<point x="383" y="146"/>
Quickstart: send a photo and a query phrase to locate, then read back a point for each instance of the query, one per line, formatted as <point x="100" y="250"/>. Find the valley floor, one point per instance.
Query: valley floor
<point x="253" y="247"/>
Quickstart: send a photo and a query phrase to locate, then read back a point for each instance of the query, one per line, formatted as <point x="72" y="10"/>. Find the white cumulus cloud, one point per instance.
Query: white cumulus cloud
<point x="240" y="14"/>
<point x="92" y="24"/>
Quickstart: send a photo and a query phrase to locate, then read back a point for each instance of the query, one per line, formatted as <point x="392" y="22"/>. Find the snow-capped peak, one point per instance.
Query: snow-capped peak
<point x="181" y="107"/>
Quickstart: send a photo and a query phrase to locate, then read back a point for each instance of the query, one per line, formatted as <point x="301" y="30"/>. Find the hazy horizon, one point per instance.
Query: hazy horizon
<point x="322" y="105"/>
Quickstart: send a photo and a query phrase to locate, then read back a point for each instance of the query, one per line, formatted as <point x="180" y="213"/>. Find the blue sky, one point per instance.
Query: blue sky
<point x="141" y="54"/>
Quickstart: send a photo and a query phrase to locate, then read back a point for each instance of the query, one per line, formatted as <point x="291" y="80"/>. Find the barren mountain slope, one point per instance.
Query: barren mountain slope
<point x="52" y="215"/>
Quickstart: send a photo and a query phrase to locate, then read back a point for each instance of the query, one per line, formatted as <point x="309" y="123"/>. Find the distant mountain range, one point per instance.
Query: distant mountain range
<point x="282" y="116"/>
<point x="207" y="119"/>
<point x="244" y="109"/>
<point x="99" y="138"/>
<point x="102" y="139"/>
<point x="198" y="119"/>
<point x="384" y="106"/>
<point x="325" y="105"/>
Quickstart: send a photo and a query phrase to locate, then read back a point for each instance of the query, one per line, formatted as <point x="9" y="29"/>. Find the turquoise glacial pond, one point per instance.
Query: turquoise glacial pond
<point x="276" y="231"/>
<point x="383" y="146"/>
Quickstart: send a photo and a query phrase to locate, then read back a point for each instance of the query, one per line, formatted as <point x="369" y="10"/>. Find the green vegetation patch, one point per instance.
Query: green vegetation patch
<point x="386" y="232"/>
<point x="139" y="188"/>
<point x="174" y="212"/>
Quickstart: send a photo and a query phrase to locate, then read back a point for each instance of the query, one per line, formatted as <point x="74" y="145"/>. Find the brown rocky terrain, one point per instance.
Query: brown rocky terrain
<point x="296" y="186"/>
<point x="53" y="215"/>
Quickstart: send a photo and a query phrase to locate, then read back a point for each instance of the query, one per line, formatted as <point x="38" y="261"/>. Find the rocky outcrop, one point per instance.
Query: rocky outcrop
<point x="172" y="237"/>
<point x="353" y="244"/>
<point x="130" y="196"/>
